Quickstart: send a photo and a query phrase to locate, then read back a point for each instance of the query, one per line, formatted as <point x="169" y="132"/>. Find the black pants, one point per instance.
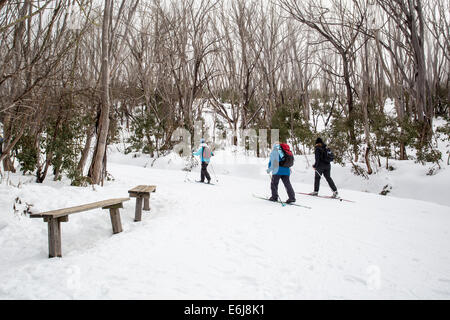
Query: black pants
<point x="287" y="184"/>
<point x="326" y="173"/>
<point x="204" y="173"/>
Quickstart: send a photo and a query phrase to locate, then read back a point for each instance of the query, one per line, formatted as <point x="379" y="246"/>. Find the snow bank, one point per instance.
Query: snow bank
<point x="408" y="179"/>
<point x="218" y="242"/>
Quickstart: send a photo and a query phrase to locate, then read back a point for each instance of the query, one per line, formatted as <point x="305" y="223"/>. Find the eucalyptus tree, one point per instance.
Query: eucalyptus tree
<point x="339" y="24"/>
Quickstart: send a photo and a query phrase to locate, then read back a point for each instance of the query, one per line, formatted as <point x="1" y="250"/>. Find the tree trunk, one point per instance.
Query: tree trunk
<point x="96" y="168"/>
<point x="403" y="155"/>
<point x="366" y="98"/>
<point x="85" y="152"/>
<point x="40" y="177"/>
<point x="351" y="120"/>
<point x="7" y="163"/>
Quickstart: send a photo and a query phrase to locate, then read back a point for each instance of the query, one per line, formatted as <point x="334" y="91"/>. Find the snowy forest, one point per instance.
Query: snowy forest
<point x="73" y="72"/>
<point x="97" y="96"/>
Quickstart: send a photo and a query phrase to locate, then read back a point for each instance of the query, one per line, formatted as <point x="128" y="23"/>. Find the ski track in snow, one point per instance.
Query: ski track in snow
<point x="219" y="242"/>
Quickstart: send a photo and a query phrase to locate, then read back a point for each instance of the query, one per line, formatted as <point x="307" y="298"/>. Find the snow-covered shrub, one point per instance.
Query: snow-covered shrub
<point x="386" y="189"/>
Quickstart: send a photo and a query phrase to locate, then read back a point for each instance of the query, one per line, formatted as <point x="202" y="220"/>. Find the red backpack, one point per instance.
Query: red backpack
<point x="288" y="159"/>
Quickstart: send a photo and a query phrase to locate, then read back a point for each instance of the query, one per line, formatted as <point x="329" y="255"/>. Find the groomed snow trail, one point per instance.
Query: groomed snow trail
<point x="219" y="242"/>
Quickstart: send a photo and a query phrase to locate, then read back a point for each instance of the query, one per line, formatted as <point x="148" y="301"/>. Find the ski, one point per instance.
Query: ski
<point x="212" y="184"/>
<point x="326" y="197"/>
<point x="197" y="181"/>
<point x="280" y="202"/>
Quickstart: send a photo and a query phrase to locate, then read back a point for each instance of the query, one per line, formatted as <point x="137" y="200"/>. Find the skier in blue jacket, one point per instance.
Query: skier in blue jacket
<point x="205" y="157"/>
<point x="279" y="172"/>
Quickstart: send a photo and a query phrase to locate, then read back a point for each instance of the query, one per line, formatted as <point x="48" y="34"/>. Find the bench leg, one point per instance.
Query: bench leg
<point x="147" y="203"/>
<point x="138" y="210"/>
<point x="54" y="238"/>
<point x="115" y="220"/>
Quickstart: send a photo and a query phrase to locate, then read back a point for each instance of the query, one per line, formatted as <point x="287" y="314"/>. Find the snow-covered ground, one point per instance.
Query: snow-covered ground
<point x="219" y="242"/>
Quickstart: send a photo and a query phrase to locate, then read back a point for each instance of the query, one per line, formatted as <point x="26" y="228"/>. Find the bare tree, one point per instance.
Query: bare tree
<point x="339" y="24"/>
<point x="409" y="18"/>
<point x="97" y="170"/>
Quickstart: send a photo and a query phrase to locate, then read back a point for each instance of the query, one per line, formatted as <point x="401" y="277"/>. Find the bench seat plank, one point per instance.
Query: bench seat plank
<point x="142" y="189"/>
<point x="141" y="192"/>
<point x="76" y="209"/>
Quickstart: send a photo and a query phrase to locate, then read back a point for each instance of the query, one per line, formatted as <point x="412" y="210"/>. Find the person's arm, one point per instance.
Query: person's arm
<point x="317" y="157"/>
<point x="199" y="152"/>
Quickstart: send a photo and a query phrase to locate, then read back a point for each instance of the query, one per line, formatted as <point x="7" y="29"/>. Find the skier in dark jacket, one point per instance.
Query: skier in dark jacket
<point x="279" y="172"/>
<point x="322" y="168"/>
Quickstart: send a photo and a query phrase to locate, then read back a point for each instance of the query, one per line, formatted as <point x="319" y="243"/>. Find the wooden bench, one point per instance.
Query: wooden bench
<point x="141" y="192"/>
<point x="55" y="217"/>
